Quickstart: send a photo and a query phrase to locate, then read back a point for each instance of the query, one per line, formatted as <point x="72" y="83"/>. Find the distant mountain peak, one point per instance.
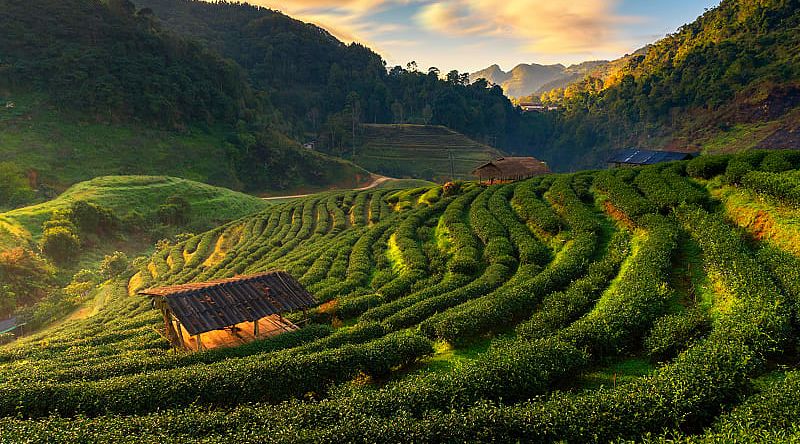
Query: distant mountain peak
<point x="529" y="78"/>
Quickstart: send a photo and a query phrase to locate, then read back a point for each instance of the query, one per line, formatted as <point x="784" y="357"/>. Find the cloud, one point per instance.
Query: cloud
<point x="542" y="26"/>
<point x="344" y="19"/>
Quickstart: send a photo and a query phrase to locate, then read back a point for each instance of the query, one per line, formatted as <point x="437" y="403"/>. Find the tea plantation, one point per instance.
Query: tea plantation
<point x="618" y="305"/>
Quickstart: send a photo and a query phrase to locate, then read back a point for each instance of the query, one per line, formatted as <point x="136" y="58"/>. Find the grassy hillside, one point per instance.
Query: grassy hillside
<point x="420" y="151"/>
<point x="210" y="206"/>
<point x="590" y="307"/>
<point x="64" y="150"/>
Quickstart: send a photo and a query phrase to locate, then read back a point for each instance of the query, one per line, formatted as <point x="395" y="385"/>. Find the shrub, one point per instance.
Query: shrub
<point x="675" y="332"/>
<point x="114" y="265"/>
<point x="60" y="244"/>
<point x="92" y="218"/>
<point x="707" y="166"/>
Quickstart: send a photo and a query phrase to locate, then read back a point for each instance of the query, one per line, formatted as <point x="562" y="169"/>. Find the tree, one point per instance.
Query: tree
<point x="60" y="244"/>
<point x="176" y="210"/>
<point x="115" y="264"/>
<point x="25" y="275"/>
<point x="354" y="105"/>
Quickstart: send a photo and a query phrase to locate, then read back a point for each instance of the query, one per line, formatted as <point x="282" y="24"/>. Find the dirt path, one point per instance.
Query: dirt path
<point x="375" y="182"/>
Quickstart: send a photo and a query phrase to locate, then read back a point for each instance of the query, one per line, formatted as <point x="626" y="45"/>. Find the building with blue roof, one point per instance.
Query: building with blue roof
<point x="636" y="157"/>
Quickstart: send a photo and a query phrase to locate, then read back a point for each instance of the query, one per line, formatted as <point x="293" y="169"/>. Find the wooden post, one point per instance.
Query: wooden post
<point x="198" y="341"/>
<point x="172" y="336"/>
<point x="255" y="328"/>
<point x="180" y="332"/>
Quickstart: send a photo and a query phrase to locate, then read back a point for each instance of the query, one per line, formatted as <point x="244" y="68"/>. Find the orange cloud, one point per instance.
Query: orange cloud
<point x="544" y="26"/>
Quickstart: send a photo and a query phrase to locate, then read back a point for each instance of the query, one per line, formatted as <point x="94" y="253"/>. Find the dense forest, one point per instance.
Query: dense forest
<point x="737" y="64"/>
<point x="109" y="63"/>
<point x="322" y="85"/>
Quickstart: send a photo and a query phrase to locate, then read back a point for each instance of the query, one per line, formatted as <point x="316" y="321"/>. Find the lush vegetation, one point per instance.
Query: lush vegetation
<point x="724" y="82"/>
<point x="422" y="151"/>
<point x="562" y="308"/>
<point x="55" y="254"/>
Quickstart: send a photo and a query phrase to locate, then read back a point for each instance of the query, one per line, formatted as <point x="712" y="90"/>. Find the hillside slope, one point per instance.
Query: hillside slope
<point x="600" y="306"/>
<point x="94" y="88"/>
<point x="420" y="151"/>
<point x="210" y="206"/>
<point x="728" y="81"/>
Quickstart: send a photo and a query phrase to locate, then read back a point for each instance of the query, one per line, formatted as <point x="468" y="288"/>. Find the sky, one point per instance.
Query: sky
<point x="468" y="35"/>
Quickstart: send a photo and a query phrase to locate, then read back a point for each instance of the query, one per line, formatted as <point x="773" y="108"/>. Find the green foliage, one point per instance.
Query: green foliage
<point x="706" y="167"/>
<point x="526" y="325"/>
<point x="674" y="333"/>
<point x="60" y="244"/>
<point x="114" y="265"/>
<point x="14" y="188"/>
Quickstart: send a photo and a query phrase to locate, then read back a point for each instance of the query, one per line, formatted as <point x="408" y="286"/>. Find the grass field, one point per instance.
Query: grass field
<point x="422" y="152"/>
<point x="65" y="150"/>
<point x="593" y="307"/>
<point x="211" y="205"/>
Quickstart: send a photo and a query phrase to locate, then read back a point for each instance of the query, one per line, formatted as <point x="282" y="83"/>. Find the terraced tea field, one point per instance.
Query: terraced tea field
<point x="421" y="151"/>
<point x="618" y="305"/>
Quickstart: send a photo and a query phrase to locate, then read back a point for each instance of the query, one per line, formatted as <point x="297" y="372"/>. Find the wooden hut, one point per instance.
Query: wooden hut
<point x="229" y="312"/>
<point x="506" y="169"/>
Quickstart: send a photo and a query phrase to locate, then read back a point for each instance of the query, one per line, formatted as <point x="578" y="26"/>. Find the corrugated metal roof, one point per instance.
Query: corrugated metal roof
<point x="214" y="305"/>
<point x="8" y="325"/>
<point x="646" y="157"/>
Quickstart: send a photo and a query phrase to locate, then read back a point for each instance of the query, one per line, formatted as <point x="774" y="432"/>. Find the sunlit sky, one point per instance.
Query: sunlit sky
<point x="468" y="35"/>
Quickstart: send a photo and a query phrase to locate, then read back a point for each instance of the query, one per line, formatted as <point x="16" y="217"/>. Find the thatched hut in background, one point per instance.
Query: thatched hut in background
<point x="506" y="169"/>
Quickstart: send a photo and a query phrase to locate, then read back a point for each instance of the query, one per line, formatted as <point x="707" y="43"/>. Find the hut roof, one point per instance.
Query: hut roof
<point x="8" y="325"/>
<point x="515" y="166"/>
<point x="634" y="156"/>
<point x="214" y="305"/>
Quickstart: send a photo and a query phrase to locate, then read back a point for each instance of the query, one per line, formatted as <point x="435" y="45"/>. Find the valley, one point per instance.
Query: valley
<point x="222" y="224"/>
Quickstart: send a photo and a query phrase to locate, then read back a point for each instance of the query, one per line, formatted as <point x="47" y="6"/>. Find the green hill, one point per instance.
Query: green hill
<point x="420" y="151"/>
<point x="92" y="88"/>
<point x="725" y="82"/>
<point x="123" y="195"/>
<point x="600" y="306"/>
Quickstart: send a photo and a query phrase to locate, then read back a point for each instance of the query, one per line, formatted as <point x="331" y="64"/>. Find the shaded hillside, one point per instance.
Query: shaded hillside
<point x="321" y="84"/>
<point x="419" y="151"/>
<point x="92" y="88"/>
<point x="606" y="306"/>
<point x="730" y="80"/>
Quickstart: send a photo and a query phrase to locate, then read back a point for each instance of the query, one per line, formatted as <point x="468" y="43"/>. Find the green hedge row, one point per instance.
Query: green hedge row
<point x="529" y="249"/>
<point x="559" y="309"/>
<point x="516" y="300"/>
<point x="232" y="381"/>
<point x="640" y="295"/>
<point x="533" y="209"/>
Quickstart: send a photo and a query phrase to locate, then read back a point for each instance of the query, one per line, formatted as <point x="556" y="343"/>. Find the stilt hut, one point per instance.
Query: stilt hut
<point x="229" y="312"/>
<point x="507" y="169"/>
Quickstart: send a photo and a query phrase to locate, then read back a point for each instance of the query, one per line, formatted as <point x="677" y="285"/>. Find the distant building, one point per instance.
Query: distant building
<point x="506" y="169"/>
<point x="10" y="325"/>
<point x="537" y="107"/>
<point x="532" y="107"/>
<point x="636" y="157"/>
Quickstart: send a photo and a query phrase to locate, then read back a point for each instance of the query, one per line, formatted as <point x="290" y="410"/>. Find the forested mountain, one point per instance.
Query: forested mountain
<point x="728" y="81"/>
<point x="95" y="88"/>
<point x="526" y="79"/>
<point x="321" y="84"/>
<point x="112" y="62"/>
